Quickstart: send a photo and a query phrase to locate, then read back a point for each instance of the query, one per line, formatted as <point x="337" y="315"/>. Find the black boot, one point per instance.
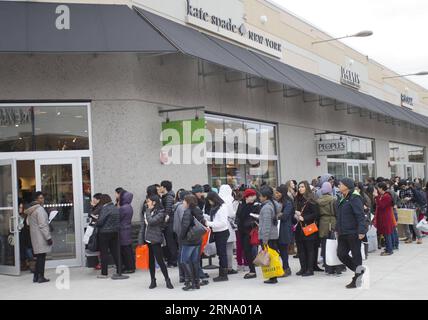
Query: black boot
<point x="222" y="275"/>
<point x="168" y="283"/>
<point x="196" y="279"/>
<point x="35" y="277"/>
<point x="42" y="279"/>
<point x="188" y="276"/>
<point x="152" y="284"/>
<point x="353" y="283"/>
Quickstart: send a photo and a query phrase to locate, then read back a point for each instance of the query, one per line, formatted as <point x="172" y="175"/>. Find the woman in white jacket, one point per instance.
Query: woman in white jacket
<point x="225" y="194"/>
<point x="218" y="221"/>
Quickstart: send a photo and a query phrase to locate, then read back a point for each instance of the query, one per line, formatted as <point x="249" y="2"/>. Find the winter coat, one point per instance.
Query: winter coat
<point x="178" y="216"/>
<point x="268" y="221"/>
<point x="95" y="214"/>
<point x="218" y="220"/>
<point x="187" y="222"/>
<point x="108" y="222"/>
<point x="38" y="220"/>
<point x="311" y="214"/>
<point x="168" y="205"/>
<point x="384" y="216"/>
<point x="286" y="225"/>
<point x="350" y="215"/>
<point x="243" y="220"/>
<point x="327" y="206"/>
<point x="126" y="212"/>
<point x="153" y="225"/>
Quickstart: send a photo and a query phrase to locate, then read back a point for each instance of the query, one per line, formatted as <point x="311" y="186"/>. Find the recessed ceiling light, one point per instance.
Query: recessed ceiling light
<point x="58" y="113"/>
<point x="86" y="131"/>
<point x="17" y="125"/>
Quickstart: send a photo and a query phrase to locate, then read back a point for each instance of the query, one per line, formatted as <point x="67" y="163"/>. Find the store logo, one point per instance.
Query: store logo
<point x="62" y="22"/>
<point x="186" y="145"/>
<point x="63" y="280"/>
<point x="332" y="147"/>
<point x="406" y="101"/>
<point x="350" y="78"/>
<point x="202" y="18"/>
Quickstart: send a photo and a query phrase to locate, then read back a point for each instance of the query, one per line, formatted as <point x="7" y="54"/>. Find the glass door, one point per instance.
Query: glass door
<point x="59" y="180"/>
<point x="9" y="234"/>
<point x="354" y="171"/>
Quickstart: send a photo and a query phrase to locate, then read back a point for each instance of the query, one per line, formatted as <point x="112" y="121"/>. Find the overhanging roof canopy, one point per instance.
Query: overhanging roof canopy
<point x="200" y="45"/>
<point x="37" y="27"/>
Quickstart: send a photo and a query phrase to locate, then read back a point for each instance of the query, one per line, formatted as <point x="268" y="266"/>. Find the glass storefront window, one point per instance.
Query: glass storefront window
<point x="43" y="128"/>
<point x="406" y="153"/>
<point x="86" y="186"/>
<point x="358" y="148"/>
<point x="239" y="161"/>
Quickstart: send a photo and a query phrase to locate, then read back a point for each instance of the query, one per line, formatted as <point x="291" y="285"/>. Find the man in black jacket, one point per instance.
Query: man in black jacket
<point x="168" y="197"/>
<point x="351" y="229"/>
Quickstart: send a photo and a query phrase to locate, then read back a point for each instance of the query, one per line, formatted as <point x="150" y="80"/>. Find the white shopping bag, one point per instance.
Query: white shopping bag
<point x="422" y="225"/>
<point x="372" y="239"/>
<point x="87" y="235"/>
<point x="331" y="258"/>
<point x="331" y="253"/>
<point x="210" y="249"/>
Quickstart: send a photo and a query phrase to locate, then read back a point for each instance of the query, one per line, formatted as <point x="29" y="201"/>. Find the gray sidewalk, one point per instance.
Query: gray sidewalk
<point x="400" y="276"/>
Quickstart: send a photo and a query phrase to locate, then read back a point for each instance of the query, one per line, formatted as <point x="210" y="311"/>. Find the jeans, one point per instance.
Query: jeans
<point x="346" y="243"/>
<point x="108" y="242"/>
<point x="389" y="242"/>
<point x="190" y="254"/>
<point x="221" y="246"/>
<point x="283" y="251"/>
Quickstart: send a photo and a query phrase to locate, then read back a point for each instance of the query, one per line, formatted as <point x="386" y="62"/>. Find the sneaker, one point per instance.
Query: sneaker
<point x="419" y="241"/>
<point x="271" y="281"/>
<point x="386" y="253"/>
<point x="408" y="241"/>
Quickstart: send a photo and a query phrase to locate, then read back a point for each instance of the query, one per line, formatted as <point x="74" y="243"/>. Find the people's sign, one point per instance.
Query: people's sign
<point x="331" y="147"/>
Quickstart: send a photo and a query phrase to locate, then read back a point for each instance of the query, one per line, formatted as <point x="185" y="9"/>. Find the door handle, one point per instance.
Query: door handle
<point x="11" y="225"/>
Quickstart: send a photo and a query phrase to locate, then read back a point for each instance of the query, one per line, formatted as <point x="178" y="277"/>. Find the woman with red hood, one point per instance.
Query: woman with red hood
<point x="384" y="216"/>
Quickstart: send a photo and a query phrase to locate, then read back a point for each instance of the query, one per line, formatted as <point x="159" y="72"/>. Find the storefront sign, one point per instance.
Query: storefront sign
<point x="331" y="147"/>
<point x="235" y="30"/>
<point x="350" y="78"/>
<point x="406" y="101"/>
<point x="183" y="132"/>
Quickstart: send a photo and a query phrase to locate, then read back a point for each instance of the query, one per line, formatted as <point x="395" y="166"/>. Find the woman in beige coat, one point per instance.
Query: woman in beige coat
<point x="41" y="239"/>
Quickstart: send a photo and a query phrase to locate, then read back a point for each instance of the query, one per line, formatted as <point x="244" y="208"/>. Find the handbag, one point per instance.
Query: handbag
<point x="196" y="231"/>
<point x="88" y="232"/>
<point x="262" y="258"/>
<point x="142" y="257"/>
<point x="93" y="244"/>
<point x="309" y="229"/>
<point x="254" y="236"/>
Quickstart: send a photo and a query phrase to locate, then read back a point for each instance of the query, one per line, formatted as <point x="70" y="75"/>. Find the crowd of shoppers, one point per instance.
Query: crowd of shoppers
<point x="173" y="226"/>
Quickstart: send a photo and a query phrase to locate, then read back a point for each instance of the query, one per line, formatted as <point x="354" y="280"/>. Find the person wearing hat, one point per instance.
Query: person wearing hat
<point x="246" y="222"/>
<point x="351" y="229"/>
<point x="198" y="192"/>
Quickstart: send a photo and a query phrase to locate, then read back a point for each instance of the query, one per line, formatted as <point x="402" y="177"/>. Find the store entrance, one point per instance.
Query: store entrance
<point x="59" y="179"/>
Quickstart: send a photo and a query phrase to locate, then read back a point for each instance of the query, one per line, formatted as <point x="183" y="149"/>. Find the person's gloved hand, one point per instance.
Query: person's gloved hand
<point x="50" y="242"/>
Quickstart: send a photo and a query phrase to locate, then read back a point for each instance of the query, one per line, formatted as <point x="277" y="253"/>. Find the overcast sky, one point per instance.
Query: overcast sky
<point x="400" y="39"/>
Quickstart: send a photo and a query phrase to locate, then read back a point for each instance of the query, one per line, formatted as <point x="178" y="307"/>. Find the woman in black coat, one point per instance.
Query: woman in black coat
<point x="151" y="233"/>
<point x="307" y="213"/>
<point x="246" y="222"/>
<point x="286" y="226"/>
<point x="190" y="245"/>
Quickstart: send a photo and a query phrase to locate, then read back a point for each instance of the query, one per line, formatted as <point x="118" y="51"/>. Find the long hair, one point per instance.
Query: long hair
<point x="104" y="199"/>
<point x="215" y="198"/>
<point x="157" y="200"/>
<point x="308" y="195"/>
<point x="283" y="190"/>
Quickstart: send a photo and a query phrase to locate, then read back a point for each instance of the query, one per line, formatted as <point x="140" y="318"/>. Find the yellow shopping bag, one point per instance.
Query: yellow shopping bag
<point x="275" y="267"/>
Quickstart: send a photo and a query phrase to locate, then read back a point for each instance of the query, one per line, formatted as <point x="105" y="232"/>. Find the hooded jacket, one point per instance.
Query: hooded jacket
<point x="268" y="221"/>
<point x="350" y="215"/>
<point x="38" y="221"/>
<point x="327" y="223"/>
<point x="225" y="193"/>
<point x="126" y="212"/>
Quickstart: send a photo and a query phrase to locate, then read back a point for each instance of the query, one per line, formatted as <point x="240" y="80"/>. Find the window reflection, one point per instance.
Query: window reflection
<point x="43" y="128"/>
